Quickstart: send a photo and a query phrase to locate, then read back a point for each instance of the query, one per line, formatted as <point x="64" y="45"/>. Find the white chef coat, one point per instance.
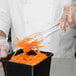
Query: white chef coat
<point x="28" y="16"/>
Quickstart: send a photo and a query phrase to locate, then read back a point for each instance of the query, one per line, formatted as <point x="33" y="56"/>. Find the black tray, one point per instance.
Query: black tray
<point x="17" y="69"/>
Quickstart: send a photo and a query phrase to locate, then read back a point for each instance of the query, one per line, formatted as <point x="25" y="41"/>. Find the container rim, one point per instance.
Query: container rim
<point x="50" y="54"/>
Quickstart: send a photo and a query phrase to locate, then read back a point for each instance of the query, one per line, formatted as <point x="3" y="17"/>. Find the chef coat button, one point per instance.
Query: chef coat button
<point x="25" y="1"/>
<point x="49" y="23"/>
<point x="27" y="22"/>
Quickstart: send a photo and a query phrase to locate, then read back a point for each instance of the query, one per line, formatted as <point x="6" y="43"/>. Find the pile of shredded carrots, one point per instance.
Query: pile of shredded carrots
<point x="26" y="47"/>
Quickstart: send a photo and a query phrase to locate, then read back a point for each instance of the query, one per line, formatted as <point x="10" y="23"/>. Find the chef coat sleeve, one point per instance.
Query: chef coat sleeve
<point x="5" y="20"/>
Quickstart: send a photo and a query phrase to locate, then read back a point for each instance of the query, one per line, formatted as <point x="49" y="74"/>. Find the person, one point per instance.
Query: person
<point x="25" y="17"/>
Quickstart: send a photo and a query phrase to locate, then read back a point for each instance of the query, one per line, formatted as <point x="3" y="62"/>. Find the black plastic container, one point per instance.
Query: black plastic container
<point x="17" y="69"/>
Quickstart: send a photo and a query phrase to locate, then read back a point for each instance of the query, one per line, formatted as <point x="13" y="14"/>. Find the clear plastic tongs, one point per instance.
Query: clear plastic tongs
<point x="44" y="34"/>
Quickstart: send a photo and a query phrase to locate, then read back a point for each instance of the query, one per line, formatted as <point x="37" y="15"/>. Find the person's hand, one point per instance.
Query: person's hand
<point x="3" y="48"/>
<point x="68" y="16"/>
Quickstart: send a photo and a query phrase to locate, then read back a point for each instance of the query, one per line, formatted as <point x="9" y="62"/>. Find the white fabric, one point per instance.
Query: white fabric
<point x="5" y="21"/>
<point x="29" y="16"/>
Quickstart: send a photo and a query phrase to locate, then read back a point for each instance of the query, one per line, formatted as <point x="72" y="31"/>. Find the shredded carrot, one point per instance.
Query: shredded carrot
<point x="26" y="47"/>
